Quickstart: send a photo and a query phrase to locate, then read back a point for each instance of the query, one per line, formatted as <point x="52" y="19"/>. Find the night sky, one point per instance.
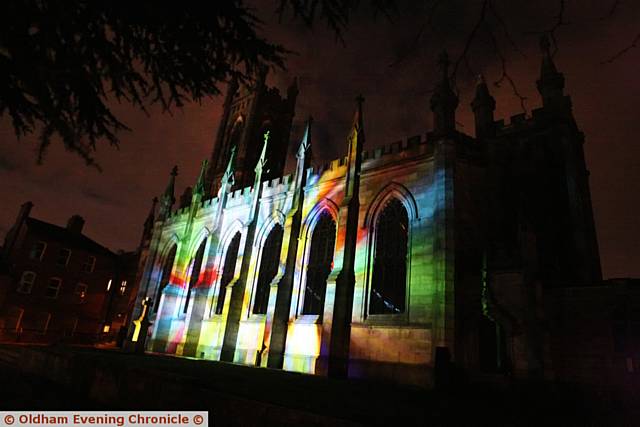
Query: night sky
<point x="383" y="61"/>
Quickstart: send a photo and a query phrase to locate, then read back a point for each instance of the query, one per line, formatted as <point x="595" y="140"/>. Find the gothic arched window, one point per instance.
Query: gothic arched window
<point x="196" y="269"/>
<point x="228" y="270"/>
<point x="165" y="278"/>
<point x="389" y="279"/>
<point x="268" y="269"/>
<point x="320" y="263"/>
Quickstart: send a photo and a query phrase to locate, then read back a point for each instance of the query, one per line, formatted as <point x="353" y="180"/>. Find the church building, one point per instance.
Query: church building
<point x="387" y="263"/>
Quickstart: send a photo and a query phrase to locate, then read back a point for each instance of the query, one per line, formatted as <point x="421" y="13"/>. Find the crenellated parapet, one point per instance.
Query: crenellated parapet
<point x="411" y="148"/>
<point x="277" y="186"/>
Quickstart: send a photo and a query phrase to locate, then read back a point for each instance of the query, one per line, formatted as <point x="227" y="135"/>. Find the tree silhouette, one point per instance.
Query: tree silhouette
<point x="61" y="63"/>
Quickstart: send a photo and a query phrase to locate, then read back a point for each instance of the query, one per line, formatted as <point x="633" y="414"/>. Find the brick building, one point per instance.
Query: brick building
<point x="59" y="284"/>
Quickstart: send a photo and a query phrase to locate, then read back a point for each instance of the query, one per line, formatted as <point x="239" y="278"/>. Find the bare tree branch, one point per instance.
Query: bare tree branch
<point x="428" y="23"/>
<point x="559" y="21"/>
<point x="612" y="10"/>
<point x="634" y="43"/>
<point x="335" y="13"/>
<point x="505" y="30"/>
<point x="621" y="52"/>
<point x="505" y="75"/>
<point x="469" y="40"/>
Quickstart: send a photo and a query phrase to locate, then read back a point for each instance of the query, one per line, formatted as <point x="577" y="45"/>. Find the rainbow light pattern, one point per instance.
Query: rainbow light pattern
<point x="398" y="345"/>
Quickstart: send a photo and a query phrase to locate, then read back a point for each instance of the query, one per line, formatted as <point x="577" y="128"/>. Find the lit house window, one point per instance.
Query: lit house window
<point x="37" y="251"/>
<point x="63" y="257"/>
<point x="89" y="264"/>
<point x="81" y="292"/>
<point x="26" y="282"/>
<point x="123" y="287"/>
<point x="53" y="288"/>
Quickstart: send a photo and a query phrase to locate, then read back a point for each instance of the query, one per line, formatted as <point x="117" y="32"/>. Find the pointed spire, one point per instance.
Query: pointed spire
<point x="548" y="68"/>
<point x="483" y="106"/>
<point x="551" y="82"/>
<point x="148" y="223"/>
<point x="168" y="198"/>
<point x="305" y="144"/>
<point x="199" y="189"/>
<point x="342" y="276"/>
<point x="226" y="183"/>
<point x="482" y="92"/>
<point x="359" y="101"/>
<point x="262" y="161"/>
<point x="292" y="90"/>
<point x="354" y="157"/>
<point x="152" y="213"/>
<point x="228" y="177"/>
<point x="185" y="197"/>
<point x="357" y="128"/>
<point x="257" y="180"/>
<point x="261" y="76"/>
<point x="303" y="156"/>
<point x="443" y="64"/>
<point x="444" y="101"/>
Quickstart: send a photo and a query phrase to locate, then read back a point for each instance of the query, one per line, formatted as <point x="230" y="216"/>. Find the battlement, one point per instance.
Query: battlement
<point x="241" y="192"/>
<point x="208" y="203"/>
<point x="332" y="165"/>
<point x="175" y="216"/>
<point x="401" y="149"/>
<point x="516" y="121"/>
<point x="277" y="185"/>
<point x="239" y="196"/>
<point x="394" y="147"/>
<point x="281" y="180"/>
<point x="521" y="121"/>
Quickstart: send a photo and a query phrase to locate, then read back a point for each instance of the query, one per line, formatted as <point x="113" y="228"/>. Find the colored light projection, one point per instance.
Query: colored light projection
<point x="228" y="257"/>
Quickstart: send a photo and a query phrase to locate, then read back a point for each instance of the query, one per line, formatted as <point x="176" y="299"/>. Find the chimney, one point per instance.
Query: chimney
<point x="12" y="234"/>
<point x="75" y="224"/>
<point x="25" y="210"/>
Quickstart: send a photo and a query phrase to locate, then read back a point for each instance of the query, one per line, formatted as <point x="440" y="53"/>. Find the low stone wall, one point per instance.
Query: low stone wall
<point x="239" y="395"/>
<point x="87" y="378"/>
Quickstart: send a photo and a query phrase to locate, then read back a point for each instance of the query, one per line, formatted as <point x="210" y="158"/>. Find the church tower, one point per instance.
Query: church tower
<point x="250" y="111"/>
